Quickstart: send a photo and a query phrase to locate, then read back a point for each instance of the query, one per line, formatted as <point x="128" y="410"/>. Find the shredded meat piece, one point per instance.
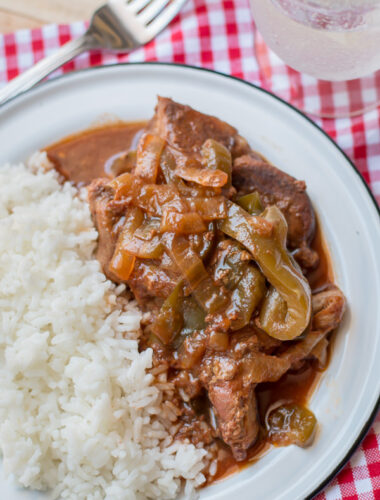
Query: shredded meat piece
<point x="235" y="408"/>
<point x="151" y="284"/>
<point x="191" y="351"/>
<point x="100" y="196"/>
<point x="320" y="353"/>
<point x="195" y="428"/>
<point x="232" y="395"/>
<point x="189" y="385"/>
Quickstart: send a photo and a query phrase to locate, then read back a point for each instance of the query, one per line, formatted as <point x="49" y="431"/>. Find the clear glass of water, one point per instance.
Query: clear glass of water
<point x="334" y="45"/>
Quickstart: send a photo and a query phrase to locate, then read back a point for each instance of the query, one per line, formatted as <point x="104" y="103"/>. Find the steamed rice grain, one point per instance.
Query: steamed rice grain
<point x="79" y="410"/>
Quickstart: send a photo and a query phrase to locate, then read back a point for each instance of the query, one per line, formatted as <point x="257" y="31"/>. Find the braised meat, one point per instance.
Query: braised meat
<point x="230" y="377"/>
<point x="231" y="392"/>
<point x="100" y="197"/>
<point x="186" y="129"/>
<point x="150" y="284"/>
<point x="205" y="233"/>
<point x="236" y="411"/>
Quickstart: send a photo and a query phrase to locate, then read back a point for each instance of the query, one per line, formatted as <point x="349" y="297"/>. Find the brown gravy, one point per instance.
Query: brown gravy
<point x="84" y="156"/>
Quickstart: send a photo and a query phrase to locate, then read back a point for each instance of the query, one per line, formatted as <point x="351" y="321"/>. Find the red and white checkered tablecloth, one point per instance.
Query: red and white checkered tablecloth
<point x="221" y="35"/>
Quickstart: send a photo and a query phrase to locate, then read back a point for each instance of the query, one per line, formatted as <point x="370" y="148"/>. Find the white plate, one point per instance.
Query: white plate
<point x="347" y="397"/>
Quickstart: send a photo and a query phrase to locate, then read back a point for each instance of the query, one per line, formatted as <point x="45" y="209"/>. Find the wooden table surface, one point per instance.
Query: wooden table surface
<point x="18" y="14"/>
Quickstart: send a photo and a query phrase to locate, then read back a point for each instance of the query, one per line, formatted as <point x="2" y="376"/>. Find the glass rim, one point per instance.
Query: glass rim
<point x="329" y="15"/>
<point x="334" y="6"/>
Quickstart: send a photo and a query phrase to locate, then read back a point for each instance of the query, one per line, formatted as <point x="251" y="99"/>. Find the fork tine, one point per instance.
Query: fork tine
<point x="164" y="18"/>
<point x="136" y="5"/>
<point x="152" y="10"/>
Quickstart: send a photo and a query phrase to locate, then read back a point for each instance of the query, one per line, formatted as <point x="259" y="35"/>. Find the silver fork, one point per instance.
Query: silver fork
<point x="119" y="25"/>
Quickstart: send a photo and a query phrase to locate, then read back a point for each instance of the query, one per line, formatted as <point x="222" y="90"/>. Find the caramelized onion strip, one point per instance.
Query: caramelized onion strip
<point x="203" y="176"/>
<point x="148" y="157"/>
<point x="209" y="296"/>
<point x="188" y="223"/>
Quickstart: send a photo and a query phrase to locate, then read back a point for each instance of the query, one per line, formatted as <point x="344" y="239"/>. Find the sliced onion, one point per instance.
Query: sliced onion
<point x="209" y="296"/>
<point x="153" y="198"/>
<point x="201" y="175"/>
<point x="188" y="223"/>
<point x="148" y="157"/>
<point x="126" y="186"/>
<point x="122" y="262"/>
<point x="209" y="208"/>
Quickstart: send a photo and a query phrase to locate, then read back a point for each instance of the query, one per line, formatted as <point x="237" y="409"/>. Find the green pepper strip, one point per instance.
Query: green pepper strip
<point x="231" y="264"/>
<point x="251" y="203"/>
<point x="278" y="267"/>
<point x="148" y="157"/>
<point x="194" y="320"/>
<point x="169" y="321"/>
<point x="246" y="297"/>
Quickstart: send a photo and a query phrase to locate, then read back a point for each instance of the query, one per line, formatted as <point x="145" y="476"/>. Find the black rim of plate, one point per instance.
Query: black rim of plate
<point x="376" y="408"/>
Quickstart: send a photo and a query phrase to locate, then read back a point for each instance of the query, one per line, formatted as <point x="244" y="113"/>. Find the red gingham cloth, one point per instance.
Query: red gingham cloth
<point x="221" y="35"/>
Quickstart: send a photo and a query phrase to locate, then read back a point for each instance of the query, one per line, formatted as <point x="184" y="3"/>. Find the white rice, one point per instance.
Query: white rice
<point x="79" y="414"/>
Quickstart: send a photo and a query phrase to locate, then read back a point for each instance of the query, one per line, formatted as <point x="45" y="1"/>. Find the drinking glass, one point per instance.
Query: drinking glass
<point x="331" y="47"/>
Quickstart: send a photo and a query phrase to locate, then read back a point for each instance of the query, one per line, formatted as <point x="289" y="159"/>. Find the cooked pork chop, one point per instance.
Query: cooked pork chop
<point x="186" y="129"/>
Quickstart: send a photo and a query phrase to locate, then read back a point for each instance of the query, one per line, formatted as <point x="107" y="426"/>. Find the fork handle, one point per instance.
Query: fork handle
<point x="43" y="68"/>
